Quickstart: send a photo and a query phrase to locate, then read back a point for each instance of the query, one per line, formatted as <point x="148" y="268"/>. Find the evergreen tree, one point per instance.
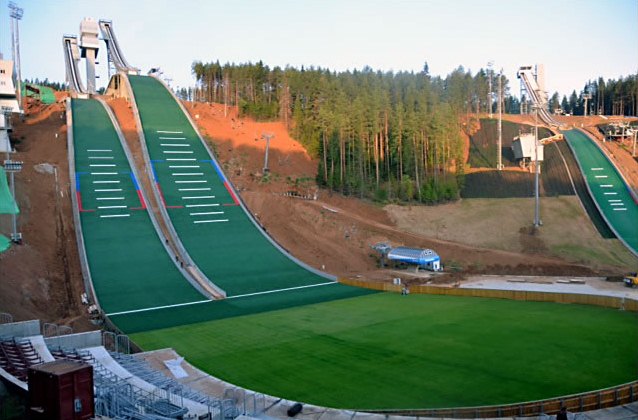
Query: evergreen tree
<point x="554" y="102"/>
<point x="565" y="105"/>
<point x="382" y="135"/>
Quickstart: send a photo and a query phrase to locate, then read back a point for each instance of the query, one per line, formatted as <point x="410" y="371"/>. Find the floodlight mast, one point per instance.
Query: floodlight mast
<point x="16" y="15"/>
<point x="499" y="152"/>
<point x="537" y="206"/>
<point x="267" y="137"/>
<point x="489" y="81"/>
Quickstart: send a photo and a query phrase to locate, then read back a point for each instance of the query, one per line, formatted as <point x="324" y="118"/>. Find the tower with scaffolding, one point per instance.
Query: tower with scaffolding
<point x="10" y="104"/>
<point x="527" y="97"/>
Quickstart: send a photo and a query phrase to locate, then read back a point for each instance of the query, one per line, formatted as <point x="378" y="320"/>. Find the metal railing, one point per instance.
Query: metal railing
<point x="5" y="318"/>
<point x="117" y="343"/>
<point x="54" y="330"/>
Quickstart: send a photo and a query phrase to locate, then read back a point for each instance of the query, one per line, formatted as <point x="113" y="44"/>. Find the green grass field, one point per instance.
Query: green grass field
<point x="417" y="351"/>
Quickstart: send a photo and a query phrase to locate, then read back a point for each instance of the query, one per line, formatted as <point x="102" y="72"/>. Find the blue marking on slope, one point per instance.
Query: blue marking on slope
<point x="217" y="169"/>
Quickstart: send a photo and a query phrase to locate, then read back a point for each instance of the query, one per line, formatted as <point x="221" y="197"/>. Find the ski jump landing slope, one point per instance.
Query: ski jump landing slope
<point x="215" y="228"/>
<point x="608" y="189"/>
<point x="129" y="267"/>
<point x="211" y="223"/>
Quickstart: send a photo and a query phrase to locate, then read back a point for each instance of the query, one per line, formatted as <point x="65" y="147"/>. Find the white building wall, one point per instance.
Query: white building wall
<point x="7" y="88"/>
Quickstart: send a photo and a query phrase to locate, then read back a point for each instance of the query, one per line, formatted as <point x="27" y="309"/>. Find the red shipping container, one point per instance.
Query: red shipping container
<point x="61" y="390"/>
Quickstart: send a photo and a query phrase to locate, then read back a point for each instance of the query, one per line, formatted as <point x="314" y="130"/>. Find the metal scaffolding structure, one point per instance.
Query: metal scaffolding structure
<point x="16" y="14"/>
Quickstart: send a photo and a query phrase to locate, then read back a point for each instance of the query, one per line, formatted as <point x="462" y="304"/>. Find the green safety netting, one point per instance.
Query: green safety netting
<point x="7" y="203"/>
<point x="5" y="243"/>
<point x="43" y="93"/>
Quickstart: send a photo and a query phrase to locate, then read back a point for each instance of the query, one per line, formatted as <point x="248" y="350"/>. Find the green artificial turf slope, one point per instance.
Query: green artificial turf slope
<point x="607" y="187"/>
<point x="130" y="268"/>
<point x="418" y="351"/>
<point x="170" y="317"/>
<point x="229" y="249"/>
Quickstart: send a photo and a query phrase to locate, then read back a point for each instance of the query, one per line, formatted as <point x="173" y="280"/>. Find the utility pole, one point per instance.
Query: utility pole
<point x="267" y="137"/>
<point x="489" y="81"/>
<point x="499" y="152"/>
<point x="7" y="119"/>
<point x="16" y="15"/>
<point x="633" y="153"/>
<point x="537" y="206"/>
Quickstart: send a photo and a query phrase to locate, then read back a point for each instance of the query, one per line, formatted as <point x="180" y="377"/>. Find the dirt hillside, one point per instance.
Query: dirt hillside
<point x="333" y="231"/>
<point x="41" y="278"/>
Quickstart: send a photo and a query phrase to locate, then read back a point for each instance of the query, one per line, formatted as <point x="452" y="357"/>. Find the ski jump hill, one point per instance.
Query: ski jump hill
<point x="614" y="199"/>
<point x="137" y="282"/>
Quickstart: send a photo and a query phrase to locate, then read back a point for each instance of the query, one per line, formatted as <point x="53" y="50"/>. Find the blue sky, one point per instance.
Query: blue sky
<point x="575" y="40"/>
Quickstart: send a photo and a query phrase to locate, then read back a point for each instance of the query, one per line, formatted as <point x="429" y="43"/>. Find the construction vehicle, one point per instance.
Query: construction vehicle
<point x="551" y="139"/>
<point x="631" y="280"/>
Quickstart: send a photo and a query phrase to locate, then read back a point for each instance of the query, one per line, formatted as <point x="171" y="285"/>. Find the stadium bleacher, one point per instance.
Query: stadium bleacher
<point x="16" y="356"/>
<point x="119" y="393"/>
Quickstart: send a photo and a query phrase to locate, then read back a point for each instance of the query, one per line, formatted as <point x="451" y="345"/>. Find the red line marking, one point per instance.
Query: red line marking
<point x="161" y="193"/>
<point x="231" y="192"/>
<point x="79" y="198"/>
<point x="141" y="197"/>
<point x="164" y="201"/>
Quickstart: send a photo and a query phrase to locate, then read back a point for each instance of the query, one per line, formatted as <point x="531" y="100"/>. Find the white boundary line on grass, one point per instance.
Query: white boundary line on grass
<point x="282" y="290"/>
<point x="134" y="311"/>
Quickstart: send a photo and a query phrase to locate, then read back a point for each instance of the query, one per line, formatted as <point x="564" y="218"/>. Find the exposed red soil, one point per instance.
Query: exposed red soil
<point x="42" y="278"/>
<point x="334" y="231"/>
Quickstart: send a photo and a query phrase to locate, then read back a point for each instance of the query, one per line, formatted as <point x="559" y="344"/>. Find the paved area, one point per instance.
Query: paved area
<point x="582" y="285"/>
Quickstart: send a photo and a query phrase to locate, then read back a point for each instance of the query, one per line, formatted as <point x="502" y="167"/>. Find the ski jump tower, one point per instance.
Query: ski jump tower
<point x="86" y="47"/>
<point x="115" y="55"/>
<point x="533" y="88"/>
<point x="89" y="46"/>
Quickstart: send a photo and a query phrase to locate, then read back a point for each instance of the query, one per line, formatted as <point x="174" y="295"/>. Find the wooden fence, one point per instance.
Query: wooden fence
<point x="593" y="400"/>
<point x="596" y="300"/>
